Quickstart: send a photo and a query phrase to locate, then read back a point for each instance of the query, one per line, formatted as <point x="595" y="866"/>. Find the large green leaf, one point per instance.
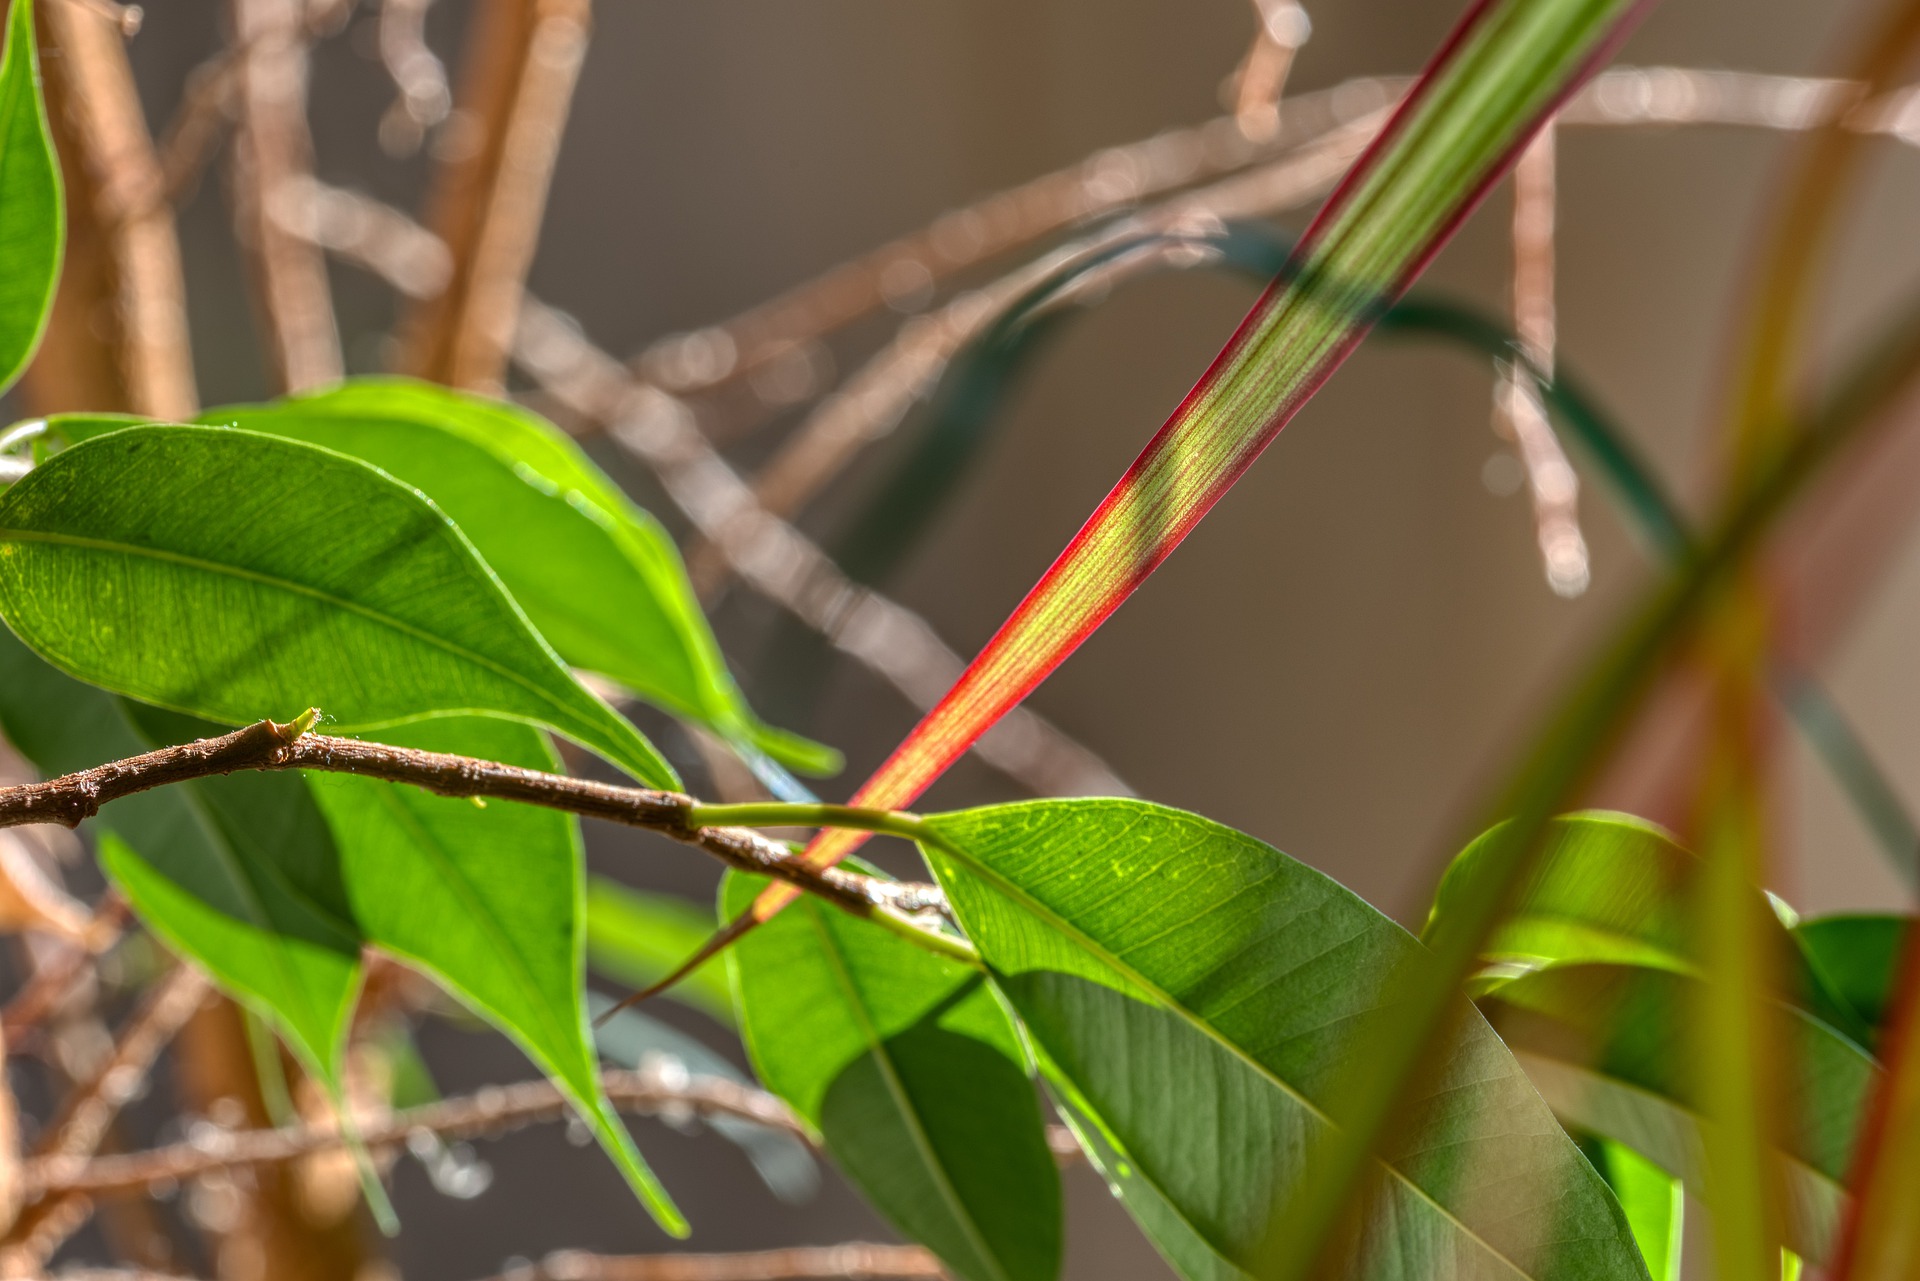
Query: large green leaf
<point x="490" y="901"/>
<point x="1600" y="1042"/>
<point x="600" y="578"/>
<point x="913" y="1074"/>
<point x="638" y="938"/>
<point x="1857" y="959"/>
<point x="239" y="872"/>
<point x="234" y="576"/>
<point x="1203" y="994"/>
<point x="32" y="214"/>
<point x="1652" y="1199"/>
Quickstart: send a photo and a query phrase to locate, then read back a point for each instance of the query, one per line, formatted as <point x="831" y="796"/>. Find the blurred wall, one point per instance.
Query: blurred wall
<point x="1351" y="649"/>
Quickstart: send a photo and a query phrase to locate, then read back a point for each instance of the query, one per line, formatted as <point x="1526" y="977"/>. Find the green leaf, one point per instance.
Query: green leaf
<point x="33" y="219"/>
<point x="639" y="937"/>
<point x="599" y="578"/>
<point x="238" y="873"/>
<point x="1604" y="887"/>
<point x="1857" y="958"/>
<point x="913" y="1074"/>
<point x="490" y="902"/>
<point x="235" y="576"/>
<point x="1202" y="993"/>
<point x="1599" y="1042"/>
<point x="1653" y="1200"/>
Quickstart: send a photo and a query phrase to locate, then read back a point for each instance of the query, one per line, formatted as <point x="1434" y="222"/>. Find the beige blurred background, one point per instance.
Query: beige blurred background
<point x="1354" y="645"/>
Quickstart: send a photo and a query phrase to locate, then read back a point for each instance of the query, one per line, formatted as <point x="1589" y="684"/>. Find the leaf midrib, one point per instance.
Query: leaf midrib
<point x="1048" y="917"/>
<point x="217" y="569"/>
<point x="897" y="1088"/>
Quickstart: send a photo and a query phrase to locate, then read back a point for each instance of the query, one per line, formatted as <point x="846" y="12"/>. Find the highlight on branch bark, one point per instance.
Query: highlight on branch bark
<point x="272" y="150"/>
<point x="272" y="745"/>
<point x="118" y="336"/>
<point x="499" y="148"/>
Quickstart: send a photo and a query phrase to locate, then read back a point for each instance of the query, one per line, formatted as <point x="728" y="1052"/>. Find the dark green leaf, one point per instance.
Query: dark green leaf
<point x="1202" y="994"/>
<point x="489" y="901"/>
<point x="1600" y="1043"/>
<point x="913" y="1074"/>
<point x="638" y="938"/>
<point x="235" y="576"/>
<point x="1857" y="959"/>
<point x="32" y="214"/>
<point x="599" y="578"/>
<point x="238" y="873"/>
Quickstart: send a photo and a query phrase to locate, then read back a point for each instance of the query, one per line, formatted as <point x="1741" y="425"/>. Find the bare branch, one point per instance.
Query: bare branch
<point x="1261" y="77"/>
<point x="55" y="979"/>
<point x="272" y="147"/>
<point x="269" y="745"/>
<point x="123" y="251"/>
<point x="856" y="1261"/>
<point x="424" y="99"/>
<point x="489" y="1112"/>
<point x="515" y="94"/>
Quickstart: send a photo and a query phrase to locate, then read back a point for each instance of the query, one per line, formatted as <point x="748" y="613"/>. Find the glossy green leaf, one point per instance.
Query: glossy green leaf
<point x="913" y="1074"/>
<point x="599" y="578"/>
<point x="638" y="937"/>
<point x="238" y="872"/>
<point x="490" y="902"/>
<point x="32" y="212"/>
<point x="235" y="576"/>
<point x="1603" y="1044"/>
<point x="1203" y="994"/>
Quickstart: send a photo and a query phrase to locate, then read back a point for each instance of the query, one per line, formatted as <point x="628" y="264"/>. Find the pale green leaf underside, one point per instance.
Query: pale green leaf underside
<point x="1202" y="993"/>
<point x="912" y="1073"/>
<point x="32" y="214"/>
<point x="235" y="576"/>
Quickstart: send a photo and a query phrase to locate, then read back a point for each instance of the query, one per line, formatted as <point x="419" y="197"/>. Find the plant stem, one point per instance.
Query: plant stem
<point x="784" y="814"/>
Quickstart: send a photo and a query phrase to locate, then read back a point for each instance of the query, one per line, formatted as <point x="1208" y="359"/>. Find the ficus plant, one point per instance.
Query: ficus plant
<point x="320" y="679"/>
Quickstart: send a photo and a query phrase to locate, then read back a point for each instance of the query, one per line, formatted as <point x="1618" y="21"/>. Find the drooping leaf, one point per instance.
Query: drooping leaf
<point x="239" y="872"/>
<point x="913" y="1074"/>
<point x="638" y="937"/>
<point x="630" y="1038"/>
<point x="1605" y="1045"/>
<point x="32" y="211"/>
<point x="599" y="578"/>
<point x="234" y="576"/>
<point x="1202" y="994"/>
<point x="490" y="902"/>
<point x="1493" y="83"/>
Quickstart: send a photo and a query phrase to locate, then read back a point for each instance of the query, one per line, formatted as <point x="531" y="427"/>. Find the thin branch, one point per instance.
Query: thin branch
<point x="1261" y="76"/>
<point x="83" y="1119"/>
<point x="423" y="98"/>
<point x="1552" y="483"/>
<point x="55" y="980"/>
<point x="269" y="745"/>
<point x="116" y="218"/>
<point x="272" y="147"/>
<point x="490" y="1112"/>
<point x="856" y="1261"/>
<point x="516" y="91"/>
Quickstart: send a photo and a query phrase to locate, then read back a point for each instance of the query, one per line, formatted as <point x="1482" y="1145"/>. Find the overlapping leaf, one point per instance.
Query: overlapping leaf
<point x="32" y="214"/>
<point x="637" y="937"/>
<point x="1604" y="1044"/>
<point x="234" y="576"/>
<point x="1201" y="996"/>
<point x="913" y="1074"/>
<point x="598" y="577"/>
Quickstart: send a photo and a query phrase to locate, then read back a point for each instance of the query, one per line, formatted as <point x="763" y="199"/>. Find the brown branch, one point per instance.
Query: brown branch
<point x="1261" y="76"/>
<point x="55" y="980"/>
<point x="490" y="1112"/>
<point x="855" y="1261"/>
<point x="272" y="151"/>
<point x="422" y="99"/>
<point x="269" y="745"/>
<point x="83" y="1119"/>
<point x="515" y="93"/>
<point x="123" y="262"/>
